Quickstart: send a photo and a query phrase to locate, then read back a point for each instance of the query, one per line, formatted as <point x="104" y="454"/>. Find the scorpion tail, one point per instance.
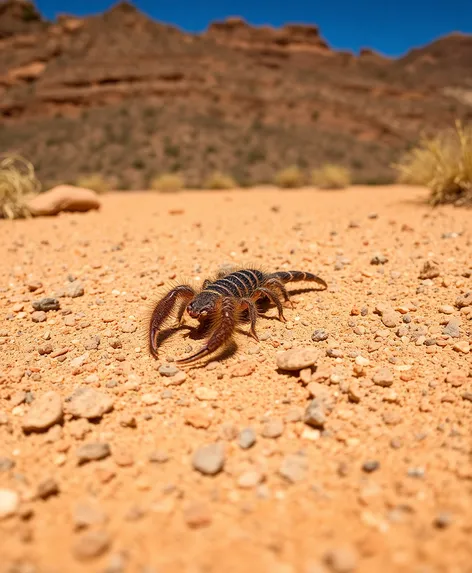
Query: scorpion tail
<point x="297" y="276"/>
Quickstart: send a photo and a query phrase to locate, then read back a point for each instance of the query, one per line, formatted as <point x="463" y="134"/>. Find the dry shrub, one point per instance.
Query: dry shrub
<point x="95" y="182"/>
<point x="18" y="183"/>
<point x="331" y="176"/>
<point x="289" y="178"/>
<point x="442" y="163"/>
<point x="220" y="181"/>
<point x="168" y="183"/>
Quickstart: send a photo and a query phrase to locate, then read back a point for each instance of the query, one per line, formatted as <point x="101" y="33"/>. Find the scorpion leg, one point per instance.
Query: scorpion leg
<point x="225" y="320"/>
<point x="273" y="297"/>
<point x="252" y="311"/>
<point x="164" y="309"/>
<point x="275" y="283"/>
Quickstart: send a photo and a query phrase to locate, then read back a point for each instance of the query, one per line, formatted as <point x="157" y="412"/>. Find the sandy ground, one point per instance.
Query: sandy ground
<point x="383" y="485"/>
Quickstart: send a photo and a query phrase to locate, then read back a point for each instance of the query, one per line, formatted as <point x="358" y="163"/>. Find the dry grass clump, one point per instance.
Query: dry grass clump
<point x="442" y="163"/>
<point x="168" y="183"/>
<point x="289" y="178"/>
<point x="331" y="176"/>
<point x="18" y="183"/>
<point x="95" y="182"/>
<point x="220" y="181"/>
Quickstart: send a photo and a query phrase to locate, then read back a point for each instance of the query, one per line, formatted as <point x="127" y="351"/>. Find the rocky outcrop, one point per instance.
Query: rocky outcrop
<point x="236" y="32"/>
<point x="18" y="17"/>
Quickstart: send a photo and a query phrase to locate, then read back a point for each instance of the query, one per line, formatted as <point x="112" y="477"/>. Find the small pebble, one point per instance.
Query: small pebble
<point x="273" y="428"/>
<point x="158" y="457"/>
<point x="209" y="459"/>
<point x="150" y="399"/>
<point x="89" y="403"/>
<point x="92" y="343"/>
<point x="47" y="488"/>
<point x="446" y="309"/>
<point x="297" y="358"/>
<point x="91" y="544"/>
<point x="128" y="327"/>
<point x="6" y="464"/>
<point x="206" y="394"/>
<point x="293" y="468"/>
<point x="38" y="316"/>
<point x="250" y="479"/>
<point x="452" y="328"/>
<point x="383" y="377"/>
<point x="44" y="412"/>
<point x="462" y="346"/>
<point x="115" y="343"/>
<point x="370" y="466"/>
<point x="315" y="415"/>
<point x="342" y="559"/>
<point x="74" y="290"/>
<point x="442" y="520"/>
<point x="197" y="515"/>
<point x="247" y="438"/>
<point x="430" y="270"/>
<point x="320" y="335"/>
<point x="93" y="451"/>
<point x="168" y="370"/>
<point x="45" y="349"/>
<point x="9" y="502"/>
<point x="378" y="260"/>
<point x="46" y="304"/>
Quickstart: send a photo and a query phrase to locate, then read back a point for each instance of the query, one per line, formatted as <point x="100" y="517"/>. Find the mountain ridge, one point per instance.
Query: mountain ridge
<point x="237" y="98"/>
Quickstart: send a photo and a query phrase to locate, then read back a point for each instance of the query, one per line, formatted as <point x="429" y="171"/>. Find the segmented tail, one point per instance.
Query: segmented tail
<point x="296" y="276"/>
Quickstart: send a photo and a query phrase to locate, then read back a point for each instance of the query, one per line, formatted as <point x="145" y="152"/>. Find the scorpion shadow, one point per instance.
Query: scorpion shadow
<point x="197" y="333"/>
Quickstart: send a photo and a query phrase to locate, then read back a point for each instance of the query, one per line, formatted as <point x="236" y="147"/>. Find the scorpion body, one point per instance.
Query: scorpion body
<point x="223" y="303"/>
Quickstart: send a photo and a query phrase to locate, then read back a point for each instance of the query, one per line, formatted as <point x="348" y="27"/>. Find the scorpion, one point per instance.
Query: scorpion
<point x="222" y="303"/>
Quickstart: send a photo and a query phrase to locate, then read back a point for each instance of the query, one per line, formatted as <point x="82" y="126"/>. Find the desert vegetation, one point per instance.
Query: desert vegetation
<point x="330" y="176"/>
<point x="168" y="183"/>
<point x="95" y="181"/>
<point x="443" y="163"/>
<point x="289" y="178"/>
<point x="18" y="183"/>
<point x="220" y="181"/>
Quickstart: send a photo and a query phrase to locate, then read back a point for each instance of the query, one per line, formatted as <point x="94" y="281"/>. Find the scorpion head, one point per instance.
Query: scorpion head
<point x="202" y="305"/>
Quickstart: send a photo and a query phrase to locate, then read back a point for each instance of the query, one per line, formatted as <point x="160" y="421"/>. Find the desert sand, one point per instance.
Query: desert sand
<point x="111" y="461"/>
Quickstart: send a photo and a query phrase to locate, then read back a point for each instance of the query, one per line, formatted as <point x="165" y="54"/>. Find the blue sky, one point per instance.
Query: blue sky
<point x="391" y="28"/>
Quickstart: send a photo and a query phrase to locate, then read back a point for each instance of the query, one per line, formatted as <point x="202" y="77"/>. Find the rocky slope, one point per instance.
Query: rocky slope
<point x="127" y="96"/>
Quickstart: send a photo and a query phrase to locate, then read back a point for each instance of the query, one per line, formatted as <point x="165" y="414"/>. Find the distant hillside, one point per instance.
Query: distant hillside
<point x="130" y="97"/>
